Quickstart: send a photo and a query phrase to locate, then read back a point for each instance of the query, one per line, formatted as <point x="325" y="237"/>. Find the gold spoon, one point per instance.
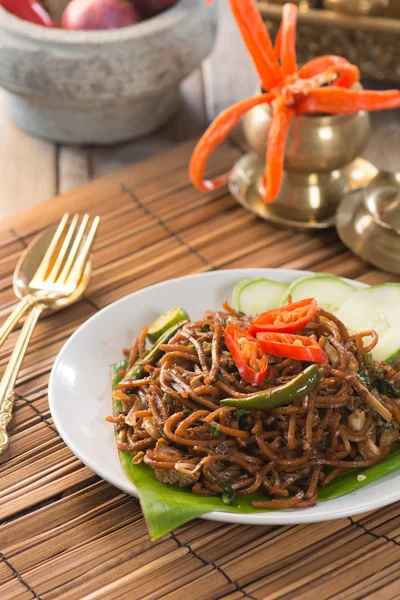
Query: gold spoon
<point x="27" y="267"/>
<point x="53" y="272"/>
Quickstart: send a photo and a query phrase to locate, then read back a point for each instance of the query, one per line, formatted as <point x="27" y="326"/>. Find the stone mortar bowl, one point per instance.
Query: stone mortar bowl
<point x="101" y="87"/>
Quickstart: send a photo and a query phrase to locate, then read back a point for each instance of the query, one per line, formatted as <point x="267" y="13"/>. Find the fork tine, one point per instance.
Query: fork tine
<point x="50" y="253"/>
<point x="63" y="251"/>
<point x="72" y="253"/>
<point x="80" y="263"/>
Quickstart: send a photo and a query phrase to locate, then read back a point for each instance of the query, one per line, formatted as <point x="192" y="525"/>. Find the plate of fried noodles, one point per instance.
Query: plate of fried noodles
<point x="210" y="396"/>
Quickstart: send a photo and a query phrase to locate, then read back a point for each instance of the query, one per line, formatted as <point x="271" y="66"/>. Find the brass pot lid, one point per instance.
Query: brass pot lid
<point x="368" y="222"/>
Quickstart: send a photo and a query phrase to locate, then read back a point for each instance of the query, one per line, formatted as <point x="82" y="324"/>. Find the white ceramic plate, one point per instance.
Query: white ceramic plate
<point x="80" y="393"/>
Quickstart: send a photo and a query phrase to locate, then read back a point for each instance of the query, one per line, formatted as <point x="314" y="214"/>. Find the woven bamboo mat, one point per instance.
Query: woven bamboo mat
<point x="68" y="535"/>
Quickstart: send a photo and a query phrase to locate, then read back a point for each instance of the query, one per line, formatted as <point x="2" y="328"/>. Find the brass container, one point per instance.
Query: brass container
<point x="368" y="222"/>
<point x="318" y="154"/>
<point x="357" y="7"/>
<point x="372" y="43"/>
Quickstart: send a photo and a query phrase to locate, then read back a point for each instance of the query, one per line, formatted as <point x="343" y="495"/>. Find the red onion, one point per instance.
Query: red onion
<point x="99" y="14"/>
<point x="29" y="10"/>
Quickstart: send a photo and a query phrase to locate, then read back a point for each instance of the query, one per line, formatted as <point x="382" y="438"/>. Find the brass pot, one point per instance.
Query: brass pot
<point x="318" y="150"/>
<point x="357" y="7"/>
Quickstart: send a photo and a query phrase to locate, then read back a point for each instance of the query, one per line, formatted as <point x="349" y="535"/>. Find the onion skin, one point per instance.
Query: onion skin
<point x="150" y="8"/>
<point x="99" y="14"/>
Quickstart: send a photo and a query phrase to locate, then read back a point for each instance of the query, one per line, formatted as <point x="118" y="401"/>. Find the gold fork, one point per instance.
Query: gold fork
<point x="62" y="272"/>
<point x="46" y="284"/>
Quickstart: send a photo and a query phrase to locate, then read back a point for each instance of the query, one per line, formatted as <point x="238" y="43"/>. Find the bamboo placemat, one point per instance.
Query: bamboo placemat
<point x="65" y="533"/>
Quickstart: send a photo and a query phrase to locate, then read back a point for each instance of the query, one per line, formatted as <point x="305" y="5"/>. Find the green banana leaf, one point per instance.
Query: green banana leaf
<point x="166" y="507"/>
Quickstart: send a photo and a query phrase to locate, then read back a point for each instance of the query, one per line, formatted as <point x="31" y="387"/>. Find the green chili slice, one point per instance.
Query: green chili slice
<point x="279" y="396"/>
<point x="165" y="322"/>
<point x="138" y="370"/>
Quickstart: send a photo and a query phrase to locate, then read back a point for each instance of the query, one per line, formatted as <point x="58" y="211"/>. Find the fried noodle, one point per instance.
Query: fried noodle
<point x="172" y="418"/>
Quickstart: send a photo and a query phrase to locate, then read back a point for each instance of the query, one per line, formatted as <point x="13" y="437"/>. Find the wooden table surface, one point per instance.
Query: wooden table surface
<point x="66" y="534"/>
<point x="33" y="170"/>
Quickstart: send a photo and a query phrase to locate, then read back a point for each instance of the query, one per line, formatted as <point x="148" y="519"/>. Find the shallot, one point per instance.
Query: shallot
<point x="100" y="14"/>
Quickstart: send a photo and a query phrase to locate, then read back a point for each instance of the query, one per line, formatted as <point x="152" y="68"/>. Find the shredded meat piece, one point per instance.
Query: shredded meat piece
<point x="172" y="476"/>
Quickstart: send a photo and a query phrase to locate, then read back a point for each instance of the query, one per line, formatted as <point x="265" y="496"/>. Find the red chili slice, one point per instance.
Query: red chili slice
<point x="299" y="347"/>
<point x="289" y="319"/>
<point x="247" y="353"/>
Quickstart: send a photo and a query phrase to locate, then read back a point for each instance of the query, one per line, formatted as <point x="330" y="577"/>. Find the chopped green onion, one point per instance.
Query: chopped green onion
<point x="368" y="358"/>
<point x="363" y="375"/>
<point x="388" y="388"/>
<point x="239" y="413"/>
<point x="358" y="458"/>
<point x="169" y="400"/>
<point x="214" y="430"/>
<point x="186" y="411"/>
<point x="325" y="441"/>
<point x="228" y="496"/>
<point x="205" y="327"/>
<point x="207" y="348"/>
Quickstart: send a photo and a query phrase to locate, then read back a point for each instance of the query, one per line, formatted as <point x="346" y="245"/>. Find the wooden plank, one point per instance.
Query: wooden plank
<point x="11" y="587"/>
<point x="74" y="168"/>
<point x="292" y="583"/>
<point x="371" y="562"/>
<point x="27" y="167"/>
<point x="385" y="588"/>
<point x="155" y="177"/>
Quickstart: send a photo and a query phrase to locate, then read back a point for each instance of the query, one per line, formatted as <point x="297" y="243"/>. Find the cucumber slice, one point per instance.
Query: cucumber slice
<point x="329" y="291"/>
<point x="376" y="307"/>
<point x="165" y="321"/>
<point x="257" y="295"/>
